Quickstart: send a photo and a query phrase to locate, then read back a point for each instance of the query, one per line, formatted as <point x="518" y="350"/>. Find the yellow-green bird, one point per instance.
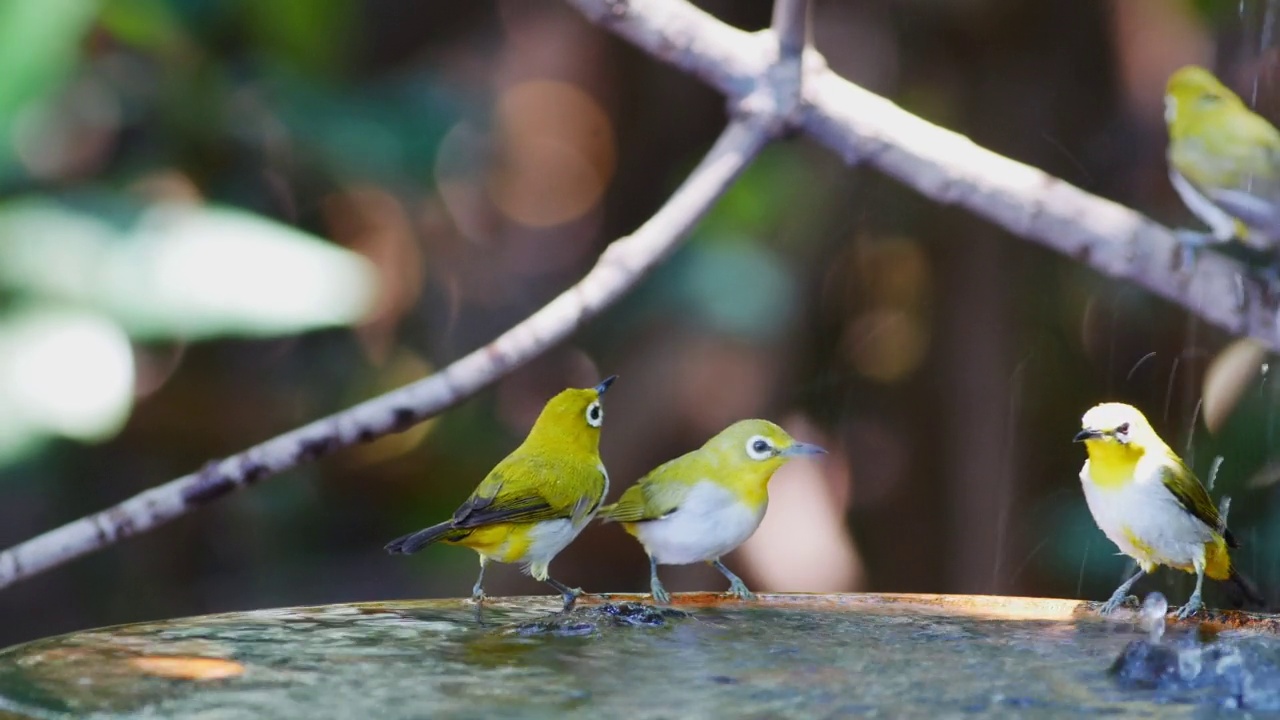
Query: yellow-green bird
<point x="537" y="500"/>
<point x="1224" y="160"/>
<point x="1150" y="504"/>
<point x="703" y="504"/>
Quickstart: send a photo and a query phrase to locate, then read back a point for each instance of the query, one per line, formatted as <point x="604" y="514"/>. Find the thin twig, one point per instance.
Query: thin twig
<point x="791" y="26"/>
<point x="619" y="268"/>
<point x="950" y="169"/>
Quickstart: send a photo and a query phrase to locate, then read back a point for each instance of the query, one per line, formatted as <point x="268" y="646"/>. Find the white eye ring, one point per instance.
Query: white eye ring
<point x="759" y="448"/>
<point x="595" y="414"/>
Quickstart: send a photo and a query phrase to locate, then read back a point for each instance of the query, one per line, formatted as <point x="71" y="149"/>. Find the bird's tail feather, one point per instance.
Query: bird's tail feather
<point x="415" y="541"/>
<point x="1242" y="590"/>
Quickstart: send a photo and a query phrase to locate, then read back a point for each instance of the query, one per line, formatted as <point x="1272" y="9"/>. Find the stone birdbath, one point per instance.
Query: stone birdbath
<point x="792" y="655"/>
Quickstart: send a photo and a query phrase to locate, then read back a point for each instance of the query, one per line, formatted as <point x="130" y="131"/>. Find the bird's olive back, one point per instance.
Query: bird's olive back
<point x="1194" y="97"/>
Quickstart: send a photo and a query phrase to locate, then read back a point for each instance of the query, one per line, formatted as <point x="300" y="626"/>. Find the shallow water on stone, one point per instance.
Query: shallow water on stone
<point x="787" y="656"/>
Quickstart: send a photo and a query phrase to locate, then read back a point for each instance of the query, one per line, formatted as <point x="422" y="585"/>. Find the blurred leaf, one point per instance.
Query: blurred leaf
<point x="184" y="271"/>
<point x="1213" y="12"/>
<point x="737" y="288"/>
<point x="777" y="187"/>
<point x="388" y="131"/>
<point x="140" y="23"/>
<point x="39" y="47"/>
<point x="61" y="373"/>
<point x="306" y="36"/>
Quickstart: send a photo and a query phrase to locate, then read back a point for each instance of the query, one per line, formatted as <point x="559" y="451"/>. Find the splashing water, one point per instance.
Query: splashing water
<point x="1268" y="25"/>
<point x="1213" y="471"/>
<point x="1154" y="609"/>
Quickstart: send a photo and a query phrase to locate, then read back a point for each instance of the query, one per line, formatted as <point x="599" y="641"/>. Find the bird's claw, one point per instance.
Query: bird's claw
<point x="1269" y="278"/>
<point x="660" y="594"/>
<point x="570" y="598"/>
<point x="478" y="597"/>
<point x="1117" y="600"/>
<point x="1190" y="242"/>
<point x="738" y="589"/>
<point x="1192" y="608"/>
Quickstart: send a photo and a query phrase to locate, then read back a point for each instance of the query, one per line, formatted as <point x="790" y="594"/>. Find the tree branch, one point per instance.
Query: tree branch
<point x="791" y="26"/>
<point x="619" y="268"/>
<point x="948" y="167"/>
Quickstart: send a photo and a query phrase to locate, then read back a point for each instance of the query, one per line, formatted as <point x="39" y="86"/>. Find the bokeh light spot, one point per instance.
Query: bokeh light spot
<point x="557" y="154"/>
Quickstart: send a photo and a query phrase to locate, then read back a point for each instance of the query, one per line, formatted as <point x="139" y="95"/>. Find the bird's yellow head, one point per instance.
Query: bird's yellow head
<point x="572" y="419"/>
<point x="749" y="451"/>
<point x="1117" y="434"/>
<point x="1194" y="98"/>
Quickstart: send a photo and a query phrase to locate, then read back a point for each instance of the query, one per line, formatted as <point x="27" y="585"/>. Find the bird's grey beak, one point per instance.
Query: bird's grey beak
<point x="604" y="384"/>
<point x="1086" y="434"/>
<point x="802" y="449"/>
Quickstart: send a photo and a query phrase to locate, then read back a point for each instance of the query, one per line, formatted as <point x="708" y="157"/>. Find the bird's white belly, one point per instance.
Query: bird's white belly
<point x="548" y="538"/>
<point x="1147" y="522"/>
<point x="710" y="522"/>
<point x="1222" y="225"/>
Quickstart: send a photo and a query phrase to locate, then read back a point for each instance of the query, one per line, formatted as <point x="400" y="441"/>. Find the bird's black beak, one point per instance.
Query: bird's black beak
<point x="1086" y="434"/>
<point x="604" y="384"/>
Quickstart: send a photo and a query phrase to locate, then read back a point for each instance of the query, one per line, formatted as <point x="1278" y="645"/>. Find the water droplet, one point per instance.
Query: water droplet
<point x="1190" y="663"/>
<point x="1213" y="470"/>
<point x="1154" y="609"/>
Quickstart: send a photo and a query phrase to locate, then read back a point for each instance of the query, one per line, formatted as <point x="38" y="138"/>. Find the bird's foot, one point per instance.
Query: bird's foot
<point x="1116" y="601"/>
<point x="660" y="594"/>
<point x="1269" y="280"/>
<point x="570" y="596"/>
<point x="1190" y="242"/>
<point x="738" y="589"/>
<point x="1192" y="608"/>
<point x="477" y="596"/>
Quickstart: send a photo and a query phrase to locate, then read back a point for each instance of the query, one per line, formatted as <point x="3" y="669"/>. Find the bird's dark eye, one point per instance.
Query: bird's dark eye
<point x="1123" y="428"/>
<point x="759" y="448"/>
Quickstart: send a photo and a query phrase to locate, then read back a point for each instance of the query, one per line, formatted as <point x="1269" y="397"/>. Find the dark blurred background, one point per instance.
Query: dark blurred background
<point x="222" y="219"/>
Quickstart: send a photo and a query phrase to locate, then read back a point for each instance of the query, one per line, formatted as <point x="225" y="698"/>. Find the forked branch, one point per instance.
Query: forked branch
<point x="951" y="169"/>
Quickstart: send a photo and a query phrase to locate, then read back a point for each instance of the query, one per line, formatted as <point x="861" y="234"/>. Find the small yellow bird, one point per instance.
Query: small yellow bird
<point x="707" y="502"/>
<point x="1150" y="504"/>
<point x="1224" y="160"/>
<point x="537" y="500"/>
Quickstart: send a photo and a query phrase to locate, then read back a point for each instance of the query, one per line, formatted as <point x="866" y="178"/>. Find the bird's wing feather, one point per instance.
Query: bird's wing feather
<point x="1193" y="497"/>
<point x="532" y="489"/>
<point x="652" y="498"/>
<point x="1237" y="152"/>
<point x="629" y="508"/>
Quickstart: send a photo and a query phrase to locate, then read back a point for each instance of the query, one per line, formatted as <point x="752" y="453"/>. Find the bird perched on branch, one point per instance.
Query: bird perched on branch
<point x="704" y="504"/>
<point x="537" y="500"/>
<point x="1224" y="161"/>
<point x="1150" y="504"/>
